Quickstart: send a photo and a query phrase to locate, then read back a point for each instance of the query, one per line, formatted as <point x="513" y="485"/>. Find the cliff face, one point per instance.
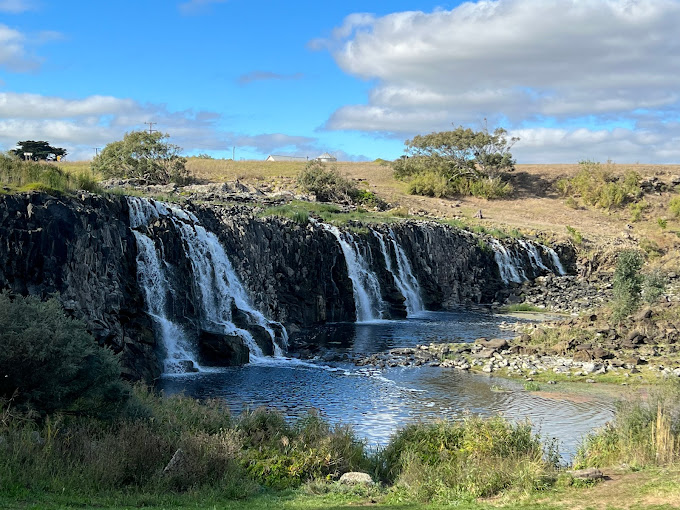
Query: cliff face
<point x="82" y="249"/>
<point x="85" y="249"/>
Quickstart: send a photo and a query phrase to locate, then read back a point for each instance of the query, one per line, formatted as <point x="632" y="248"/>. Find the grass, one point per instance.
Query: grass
<point x="18" y="175"/>
<point x="521" y="307"/>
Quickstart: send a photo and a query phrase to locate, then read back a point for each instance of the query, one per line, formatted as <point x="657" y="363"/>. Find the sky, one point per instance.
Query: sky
<point x="575" y="80"/>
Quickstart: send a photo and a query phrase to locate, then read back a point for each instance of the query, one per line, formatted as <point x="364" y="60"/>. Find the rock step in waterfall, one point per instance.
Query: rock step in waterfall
<point x="224" y="309"/>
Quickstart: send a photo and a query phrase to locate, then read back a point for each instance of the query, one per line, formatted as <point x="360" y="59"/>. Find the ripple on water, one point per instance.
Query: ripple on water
<point x="377" y="402"/>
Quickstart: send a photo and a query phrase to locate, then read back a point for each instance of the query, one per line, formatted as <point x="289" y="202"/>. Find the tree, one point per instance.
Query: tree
<point x="142" y="155"/>
<point x="49" y="362"/>
<point x="458" y="153"/>
<point x="627" y="284"/>
<point x="40" y="150"/>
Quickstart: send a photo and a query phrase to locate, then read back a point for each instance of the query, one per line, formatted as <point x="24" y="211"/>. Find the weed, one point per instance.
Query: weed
<point x="575" y="235"/>
<point x="662" y="222"/>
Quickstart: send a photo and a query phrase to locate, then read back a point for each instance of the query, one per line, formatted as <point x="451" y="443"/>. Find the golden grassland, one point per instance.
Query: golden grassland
<point x="535" y="205"/>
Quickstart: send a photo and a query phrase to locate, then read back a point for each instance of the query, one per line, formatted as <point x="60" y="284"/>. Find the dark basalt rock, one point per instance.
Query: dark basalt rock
<point x="80" y="247"/>
<point x="216" y="349"/>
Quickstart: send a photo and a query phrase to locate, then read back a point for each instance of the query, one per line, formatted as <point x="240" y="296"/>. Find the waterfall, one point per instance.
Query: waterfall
<point x="220" y="287"/>
<point x="365" y="285"/>
<point x="511" y="266"/>
<point x="152" y="280"/>
<point x="510" y="269"/>
<point x="213" y="278"/>
<point x="555" y="260"/>
<point x="403" y="276"/>
<point x="533" y="253"/>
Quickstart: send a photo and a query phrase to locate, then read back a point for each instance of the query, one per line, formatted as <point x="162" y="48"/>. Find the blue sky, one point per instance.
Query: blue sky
<point x="574" y="79"/>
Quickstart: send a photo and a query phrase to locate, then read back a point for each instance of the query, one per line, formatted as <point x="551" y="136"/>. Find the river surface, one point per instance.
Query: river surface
<point x="376" y="402"/>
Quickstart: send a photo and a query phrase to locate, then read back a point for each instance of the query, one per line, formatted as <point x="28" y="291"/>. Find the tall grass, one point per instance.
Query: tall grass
<point x="476" y="457"/>
<point x="20" y="175"/>
<point x="645" y="432"/>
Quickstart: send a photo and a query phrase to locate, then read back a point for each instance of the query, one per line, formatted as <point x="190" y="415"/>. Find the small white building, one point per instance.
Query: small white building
<point x="326" y="158"/>
<point x="276" y="157"/>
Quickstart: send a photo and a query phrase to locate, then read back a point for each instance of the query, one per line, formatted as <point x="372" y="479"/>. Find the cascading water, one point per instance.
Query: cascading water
<point x="180" y="356"/>
<point x="214" y="279"/>
<point x="220" y="287"/>
<point x="403" y="277"/>
<point x="510" y="269"/>
<point x="510" y="265"/>
<point x="365" y="284"/>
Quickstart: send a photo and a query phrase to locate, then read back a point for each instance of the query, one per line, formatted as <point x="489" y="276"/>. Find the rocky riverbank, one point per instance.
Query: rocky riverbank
<point x="590" y="348"/>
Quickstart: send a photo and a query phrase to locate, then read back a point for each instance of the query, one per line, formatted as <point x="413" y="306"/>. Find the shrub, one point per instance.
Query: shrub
<point x="575" y="235"/>
<point x="596" y="186"/>
<point x="429" y="184"/>
<point x="326" y="183"/>
<point x="50" y="362"/>
<point x="653" y="286"/>
<point x="279" y="455"/>
<point x="627" y="284"/>
<point x="473" y="458"/>
<point x="662" y="222"/>
<point x="674" y="206"/>
<point x="637" y="209"/>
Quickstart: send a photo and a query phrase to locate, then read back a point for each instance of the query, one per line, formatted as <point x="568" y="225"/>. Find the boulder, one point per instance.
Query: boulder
<point x="356" y="478"/>
<point x="586" y="474"/>
<point x="218" y="349"/>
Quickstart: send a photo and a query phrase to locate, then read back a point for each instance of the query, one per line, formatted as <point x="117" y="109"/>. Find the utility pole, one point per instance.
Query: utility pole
<point x="233" y="153"/>
<point x="96" y="151"/>
<point x="151" y="130"/>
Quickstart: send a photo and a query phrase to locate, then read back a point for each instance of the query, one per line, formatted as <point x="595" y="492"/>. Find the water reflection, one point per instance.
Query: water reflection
<point x="377" y="402"/>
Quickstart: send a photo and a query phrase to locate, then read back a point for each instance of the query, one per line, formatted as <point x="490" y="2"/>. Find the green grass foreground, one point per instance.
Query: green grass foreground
<point x="258" y="460"/>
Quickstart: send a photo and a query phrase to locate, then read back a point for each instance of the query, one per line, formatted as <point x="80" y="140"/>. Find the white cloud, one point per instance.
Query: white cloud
<point x="16" y="6"/>
<point x="195" y="7"/>
<point x="516" y="62"/>
<point x="79" y="125"/>
<point x="13" y="54"/>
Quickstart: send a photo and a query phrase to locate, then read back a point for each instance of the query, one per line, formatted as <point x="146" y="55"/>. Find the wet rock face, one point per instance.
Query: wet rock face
<point x="294" y="274"/>
<point x="82" y="249"/>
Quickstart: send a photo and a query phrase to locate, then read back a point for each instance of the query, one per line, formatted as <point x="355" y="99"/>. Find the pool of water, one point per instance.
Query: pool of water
<point x="376" y="402"/>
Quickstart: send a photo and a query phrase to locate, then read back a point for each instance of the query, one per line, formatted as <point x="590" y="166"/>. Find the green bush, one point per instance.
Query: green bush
<point x="326" y="183"/>
<point x="596" y="186"/>
<point x="627" y="284"/>
<point x="279" y="455"/>
<point x="429" y="184"/>
<point x="575" y="235"/>
<point x="674" y="206"/>
<point x="49" y="362"/>
<point x="477" y="457"/>
<point x="653" y="286"/>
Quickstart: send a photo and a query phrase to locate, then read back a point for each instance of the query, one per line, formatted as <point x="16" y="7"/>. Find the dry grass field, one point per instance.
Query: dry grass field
<point x="534" y="206"/>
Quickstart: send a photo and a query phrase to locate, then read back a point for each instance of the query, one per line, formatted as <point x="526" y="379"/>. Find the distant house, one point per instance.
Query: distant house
<point x="326" y="158"/>
<point x="276" y="157"/>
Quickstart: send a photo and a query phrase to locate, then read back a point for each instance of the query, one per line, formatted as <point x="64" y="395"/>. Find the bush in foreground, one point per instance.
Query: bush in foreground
<point x="473" y="458"/>
<point x="49" y="362"/>
<point x="47" y="177"/>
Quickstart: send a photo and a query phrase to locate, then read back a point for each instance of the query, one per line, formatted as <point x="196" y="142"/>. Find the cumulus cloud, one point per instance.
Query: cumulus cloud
<point x="195" y="7"/>
<point x="514" y="61"/>
<point x="13" y="53"/>
<point x="79" y="125"/>
<point x="252" y="76"/>
<point x="16" y="6"/>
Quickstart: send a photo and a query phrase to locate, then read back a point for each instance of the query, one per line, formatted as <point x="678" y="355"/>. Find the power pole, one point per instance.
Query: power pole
<point x="96" y="151"/>
<point x="233" y="153"/>
<point x="151" y="130"/>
